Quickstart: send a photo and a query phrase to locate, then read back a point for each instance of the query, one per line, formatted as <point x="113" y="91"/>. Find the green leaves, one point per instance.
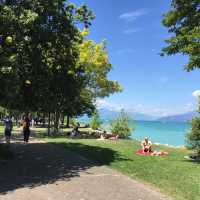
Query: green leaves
<point x="95" y="121"/>
<point x="45" y="62"/>
<point x="28" y="17"/>
<point x="39" y="43"/>
<point x="193" y="137"/>
<point x="120" y="126"/>
<point x="184" y="21"/>
<point x="94" y="58"/>
<point x="84" y="15"/>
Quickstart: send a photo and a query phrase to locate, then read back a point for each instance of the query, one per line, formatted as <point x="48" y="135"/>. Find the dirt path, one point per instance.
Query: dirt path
<point x="42" y="171"/>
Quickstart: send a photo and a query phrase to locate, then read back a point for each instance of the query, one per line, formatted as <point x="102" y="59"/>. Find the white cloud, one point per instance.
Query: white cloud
<point x="131" y="16"/>
<point x="146" y="109"/>
<point x="131" y="31"/>
<point x="101" y="103"/>
<point x="189" y="107"/>
<point x="196" y="93"/>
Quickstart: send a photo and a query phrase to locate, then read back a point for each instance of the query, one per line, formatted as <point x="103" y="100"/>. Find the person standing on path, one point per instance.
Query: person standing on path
<point x="8" y="129"/>
<point x="26" y="129"/>
<point x="32" y="123"/>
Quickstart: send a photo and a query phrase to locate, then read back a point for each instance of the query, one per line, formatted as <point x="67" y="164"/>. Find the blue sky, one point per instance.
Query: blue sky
<point x="152" y="84"/>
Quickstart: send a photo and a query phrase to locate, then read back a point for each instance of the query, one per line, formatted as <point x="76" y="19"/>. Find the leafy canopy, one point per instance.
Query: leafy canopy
<point x="94" y="58"/>
<point x="183" y="22"/>
<point x="38" y="51"/>
<point x="46" y="62"/>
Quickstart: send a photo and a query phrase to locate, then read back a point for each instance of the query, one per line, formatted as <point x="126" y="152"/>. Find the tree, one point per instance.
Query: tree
<point x="120" y="126"/>
<point x="183" y="21"/>
<point x="94" y="59"/>
<point x="193" y="137"/>
<point x="43" y="49"/>
<point x="46" y="64"/>
<point x="38" y="52"/>
<point x="95" y="122"/>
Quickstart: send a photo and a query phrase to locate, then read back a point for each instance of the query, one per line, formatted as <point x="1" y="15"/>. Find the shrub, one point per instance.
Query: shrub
<point x="193" y="137"/>
<point x="95" y="122"/>
<point x="120" y="126"/>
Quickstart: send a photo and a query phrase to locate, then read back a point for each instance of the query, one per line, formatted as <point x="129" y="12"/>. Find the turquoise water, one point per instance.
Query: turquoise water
<point x="169" y="133"/>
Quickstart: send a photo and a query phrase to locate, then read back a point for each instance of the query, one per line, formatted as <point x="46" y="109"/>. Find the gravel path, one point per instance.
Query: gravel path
<point x="41" y="171"/>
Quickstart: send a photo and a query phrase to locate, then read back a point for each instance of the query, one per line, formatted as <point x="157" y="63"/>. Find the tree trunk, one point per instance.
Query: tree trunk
<point x="49" y="121"/>
<point x="68" y="118"/>
<point x="17" y="121"/>
<point x="56" y="122"/>
<point x="43" y="120"/>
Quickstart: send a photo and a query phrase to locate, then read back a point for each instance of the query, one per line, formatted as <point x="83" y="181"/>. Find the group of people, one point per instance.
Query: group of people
<point x="104" y="136"/>
<point x="9" y="127"/>
<point x="146" y="143"/>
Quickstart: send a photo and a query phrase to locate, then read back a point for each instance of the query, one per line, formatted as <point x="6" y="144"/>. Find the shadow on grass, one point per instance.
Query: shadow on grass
<point x="37" y="164"/>
<point x="99" y="155"/>
<point x="192" y="158"/>
<point x="66" y="134"/>
<point x="192" y="161"/>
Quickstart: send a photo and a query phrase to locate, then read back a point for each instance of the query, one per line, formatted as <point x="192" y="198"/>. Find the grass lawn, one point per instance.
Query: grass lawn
<point x="1" y="130"/>
<point x="42" y="132"/>
<point x="14" y="131"/>
<point x="172" y="175"/>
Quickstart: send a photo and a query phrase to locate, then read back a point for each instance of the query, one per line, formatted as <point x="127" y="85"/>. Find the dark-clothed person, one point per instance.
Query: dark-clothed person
<point x="26" y="129"/>
<point x="8" y="129"/>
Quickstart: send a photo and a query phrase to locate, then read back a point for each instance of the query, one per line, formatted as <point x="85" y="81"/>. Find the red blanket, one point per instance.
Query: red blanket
<point x="141" y="152"/>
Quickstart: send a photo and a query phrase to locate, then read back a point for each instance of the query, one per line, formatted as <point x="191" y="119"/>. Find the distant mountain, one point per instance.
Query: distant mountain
<point x="106" y="114"/>
<point x="180" y="118"/>
<point x="110" y="114"/>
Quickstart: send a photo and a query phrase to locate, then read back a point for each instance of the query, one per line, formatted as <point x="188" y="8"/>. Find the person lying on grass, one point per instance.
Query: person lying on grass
<point x="159" y="153"/>
<point x="105" y="136"/>
<point x="146" y="145"/>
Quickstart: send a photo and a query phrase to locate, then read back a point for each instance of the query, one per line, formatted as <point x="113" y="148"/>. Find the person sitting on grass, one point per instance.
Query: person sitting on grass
<point x="146" y="145"/>
<point x="115" y="137"/>
<point x="102" y="137"/>
<point x="75" y="131"/>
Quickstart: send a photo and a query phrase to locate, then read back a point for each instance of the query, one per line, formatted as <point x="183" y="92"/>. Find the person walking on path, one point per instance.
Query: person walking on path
<point x="26" y="129"/>
<point x="8" y="129"/>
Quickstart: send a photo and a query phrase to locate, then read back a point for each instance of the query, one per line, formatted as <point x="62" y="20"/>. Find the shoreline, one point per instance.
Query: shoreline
<point x="179" y="134"/>
<point x="160" y="144"/>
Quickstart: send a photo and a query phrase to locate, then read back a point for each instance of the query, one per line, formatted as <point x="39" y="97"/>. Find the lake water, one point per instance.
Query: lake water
<point x="169" y="133"/>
